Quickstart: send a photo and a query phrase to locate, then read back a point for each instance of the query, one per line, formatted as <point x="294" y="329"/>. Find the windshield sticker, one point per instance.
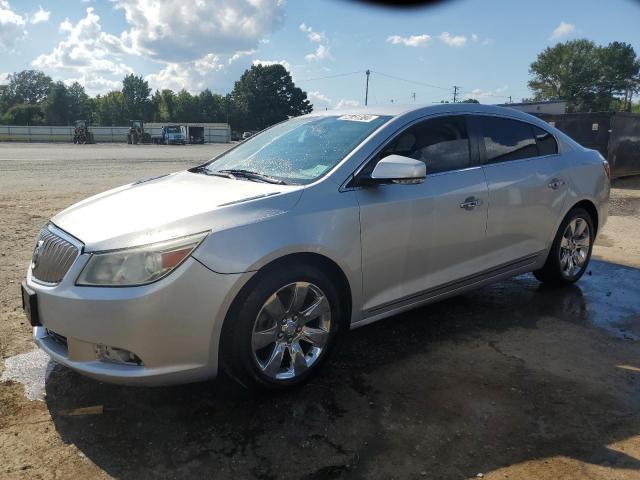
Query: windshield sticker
<point x="362" y="117"/>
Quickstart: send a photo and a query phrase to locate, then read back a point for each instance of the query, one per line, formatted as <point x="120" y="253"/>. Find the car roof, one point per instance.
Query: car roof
<point x="396" y="110"/>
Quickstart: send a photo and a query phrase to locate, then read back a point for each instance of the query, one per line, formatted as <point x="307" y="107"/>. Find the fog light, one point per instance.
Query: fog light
<point x="105" y="353"/>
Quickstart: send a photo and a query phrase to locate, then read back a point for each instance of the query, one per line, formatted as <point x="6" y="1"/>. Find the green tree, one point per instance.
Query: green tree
<point x="588" y="76"/>
<point x="164" y="105"/>
<point x="56" y="106"/>
<point x="186" y="107"/>
<point x="470" y="100"/>
<point x="28" y="86"/>
<point x="135" y="91"/>
<point x="265" y="95"/>
<point x="211" y="107"/>
<point x="619" y="73"/>
<point x="79" y="104"/>
<point x="23" y="114"/>
<point x="111" y="109"/>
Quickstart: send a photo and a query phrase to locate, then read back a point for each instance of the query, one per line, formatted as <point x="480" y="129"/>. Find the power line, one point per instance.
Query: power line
<point x="328" y="76"/>
<point x="409" y="81"/>
<point x="366" y="92"/>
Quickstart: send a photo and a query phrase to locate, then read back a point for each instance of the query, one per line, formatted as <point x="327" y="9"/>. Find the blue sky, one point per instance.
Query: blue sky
<point x="483" y="46"/>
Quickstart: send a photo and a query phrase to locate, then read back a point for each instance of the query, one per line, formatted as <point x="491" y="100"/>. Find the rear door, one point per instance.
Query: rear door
<point x="527" y="187"/>
<point x="417" y="237"/>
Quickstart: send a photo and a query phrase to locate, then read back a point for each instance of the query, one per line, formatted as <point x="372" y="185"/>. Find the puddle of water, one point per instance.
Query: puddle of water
<point x="32" y="369"/>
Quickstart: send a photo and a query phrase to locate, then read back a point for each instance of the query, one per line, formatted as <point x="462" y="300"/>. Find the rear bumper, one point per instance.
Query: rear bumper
<point x="172" y="325"/>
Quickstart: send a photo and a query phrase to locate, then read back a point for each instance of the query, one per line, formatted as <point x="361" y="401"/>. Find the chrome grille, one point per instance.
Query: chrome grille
<point x="52" y="256"/>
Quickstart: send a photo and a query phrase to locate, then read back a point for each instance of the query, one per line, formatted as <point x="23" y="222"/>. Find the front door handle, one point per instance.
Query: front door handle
<point x="556" y="183"/>
<point x="471" y="203"/>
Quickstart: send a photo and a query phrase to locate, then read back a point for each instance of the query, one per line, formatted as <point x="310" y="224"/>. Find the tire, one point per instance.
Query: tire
<point x="266" y="340"/>
<point x="571" y="250"/>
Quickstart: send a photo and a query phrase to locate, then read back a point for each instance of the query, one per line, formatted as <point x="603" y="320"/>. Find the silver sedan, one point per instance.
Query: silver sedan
<point x="256" y="261"/>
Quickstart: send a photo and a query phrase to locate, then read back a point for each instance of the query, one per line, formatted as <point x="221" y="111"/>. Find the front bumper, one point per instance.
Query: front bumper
<point x="172" y="325"/>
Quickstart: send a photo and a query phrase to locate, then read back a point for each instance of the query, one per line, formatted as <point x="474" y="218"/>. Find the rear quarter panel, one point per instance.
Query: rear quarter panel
<point x="586" y="180"/>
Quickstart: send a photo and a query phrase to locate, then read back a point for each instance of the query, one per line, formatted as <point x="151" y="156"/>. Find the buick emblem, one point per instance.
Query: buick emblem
<point x="36" y="254"/>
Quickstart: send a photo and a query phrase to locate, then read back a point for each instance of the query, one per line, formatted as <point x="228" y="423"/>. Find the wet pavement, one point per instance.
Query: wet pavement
<point x="511" y="373"/>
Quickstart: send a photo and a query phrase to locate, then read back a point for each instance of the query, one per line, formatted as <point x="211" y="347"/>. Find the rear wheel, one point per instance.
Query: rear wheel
<point x="571" y="250"/>
<point x="282" y="331"/>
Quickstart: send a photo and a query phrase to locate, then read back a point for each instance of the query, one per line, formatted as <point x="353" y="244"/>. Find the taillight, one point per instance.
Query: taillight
<point x="607" y="169"/>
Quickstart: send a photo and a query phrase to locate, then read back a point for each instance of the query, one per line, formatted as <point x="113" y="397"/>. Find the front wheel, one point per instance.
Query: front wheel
<point x="571" y="250"/>
<point x="283" y="330"/>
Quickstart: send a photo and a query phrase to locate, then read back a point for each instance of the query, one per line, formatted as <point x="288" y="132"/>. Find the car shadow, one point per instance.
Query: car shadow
<point x="509" y="373"/>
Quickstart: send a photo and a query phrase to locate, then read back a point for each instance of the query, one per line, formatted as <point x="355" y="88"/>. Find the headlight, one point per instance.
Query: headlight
<point x="139" y="265"/>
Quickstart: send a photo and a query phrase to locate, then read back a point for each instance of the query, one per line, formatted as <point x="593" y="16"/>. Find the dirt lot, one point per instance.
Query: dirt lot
<point x="512" y="381"/>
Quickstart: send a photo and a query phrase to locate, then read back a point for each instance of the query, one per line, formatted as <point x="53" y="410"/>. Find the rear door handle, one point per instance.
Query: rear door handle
<point x="471" y="203"/>
<point x="556" y="183"/>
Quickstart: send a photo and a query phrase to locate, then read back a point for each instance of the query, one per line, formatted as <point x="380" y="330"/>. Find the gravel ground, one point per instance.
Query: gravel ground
<point x="511" y="381"/>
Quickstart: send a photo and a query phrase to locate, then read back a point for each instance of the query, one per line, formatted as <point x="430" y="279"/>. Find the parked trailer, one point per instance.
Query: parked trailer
<point x="616" y="135"/>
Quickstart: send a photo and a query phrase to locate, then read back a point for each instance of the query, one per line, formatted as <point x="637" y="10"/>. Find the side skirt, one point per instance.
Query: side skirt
<point x="450" y="289"/>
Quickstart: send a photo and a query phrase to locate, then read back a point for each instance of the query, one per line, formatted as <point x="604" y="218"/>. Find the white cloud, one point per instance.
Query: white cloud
<point x="178" y="31"/>
<point x="346" y="103"/>
<point x="12" y="26"/>
<point x="240" y="54"/>
<point x="562" y="30"/>
<point x="453" y="41"/>
<point x="480" y="94"/>
<point x="266" y="63"/>
<point x="411" y="41"/>
<point x="319" y="98"/>
<point x="321" y="53"/>
<point x="474" y="38"/>
<point x="4" y="78"/>
<point x="87" y="52"/>
<point x="311" y="34"/>
<point x="40" y="16"/>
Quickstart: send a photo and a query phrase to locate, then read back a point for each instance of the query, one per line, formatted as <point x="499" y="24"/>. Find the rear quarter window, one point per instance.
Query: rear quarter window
<point x="547" y="144"/>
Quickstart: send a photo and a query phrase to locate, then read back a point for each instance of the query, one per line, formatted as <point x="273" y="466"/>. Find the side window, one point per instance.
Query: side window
<point x="441" y="143"/>
<point x="546" y="143"/>
<point x="506" y="139"/>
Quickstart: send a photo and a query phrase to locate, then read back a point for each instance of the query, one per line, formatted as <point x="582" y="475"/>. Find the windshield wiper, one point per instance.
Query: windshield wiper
<point x="249" y="175"/>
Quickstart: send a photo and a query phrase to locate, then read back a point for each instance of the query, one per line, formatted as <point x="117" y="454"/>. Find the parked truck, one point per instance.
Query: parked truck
<point x="170" y="135"/>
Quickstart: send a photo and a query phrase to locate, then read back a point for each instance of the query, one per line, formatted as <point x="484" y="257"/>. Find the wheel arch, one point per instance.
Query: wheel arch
<point x="591" y="208"/>
<point x="322" y="262"/>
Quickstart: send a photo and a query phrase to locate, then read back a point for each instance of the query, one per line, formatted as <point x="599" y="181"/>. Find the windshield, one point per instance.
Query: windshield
<point x="173" y="129"/>
<point x="299" y="150"/>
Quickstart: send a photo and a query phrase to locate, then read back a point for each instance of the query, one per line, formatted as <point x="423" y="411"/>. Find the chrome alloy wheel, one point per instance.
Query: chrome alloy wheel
<point x="291" y="330"/>
<point x="574" y="247"/>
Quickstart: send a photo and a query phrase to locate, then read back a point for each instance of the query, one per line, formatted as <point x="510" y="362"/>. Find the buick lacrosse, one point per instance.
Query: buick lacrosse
<point x="255" y="262"/>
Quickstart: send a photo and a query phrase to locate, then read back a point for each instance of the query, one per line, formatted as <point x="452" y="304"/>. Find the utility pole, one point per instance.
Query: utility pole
<point x="455" y="93"/>
<point x="366" y="92"/>
<point x="510" y="101"/>
<point x="413" y="95"/>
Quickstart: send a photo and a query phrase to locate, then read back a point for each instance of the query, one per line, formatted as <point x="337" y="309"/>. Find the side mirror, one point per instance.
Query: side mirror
<point x="397" y="169"/>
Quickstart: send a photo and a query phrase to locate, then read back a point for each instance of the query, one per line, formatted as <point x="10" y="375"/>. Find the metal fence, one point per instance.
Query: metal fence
<point x="214" y="133"/>
<point x="615" y="135"/>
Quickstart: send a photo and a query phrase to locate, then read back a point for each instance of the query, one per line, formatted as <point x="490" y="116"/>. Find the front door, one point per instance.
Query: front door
<point x="417" y="237"/>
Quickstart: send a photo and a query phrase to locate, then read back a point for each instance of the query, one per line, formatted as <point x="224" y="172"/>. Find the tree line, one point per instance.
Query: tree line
<point x="590" y="77"/>
<point x="261" y="97"/>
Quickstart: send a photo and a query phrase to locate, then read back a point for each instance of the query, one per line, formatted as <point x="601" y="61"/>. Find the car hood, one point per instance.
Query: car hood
<point x="171" y="206"/>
